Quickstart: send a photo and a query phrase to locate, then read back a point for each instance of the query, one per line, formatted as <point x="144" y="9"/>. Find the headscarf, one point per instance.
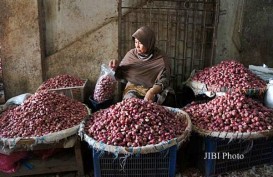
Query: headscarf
<point x="143" y="72"/>
<point x="147" y="37"/>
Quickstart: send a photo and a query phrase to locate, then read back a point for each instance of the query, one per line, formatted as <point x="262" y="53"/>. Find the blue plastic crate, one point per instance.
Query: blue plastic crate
<point x="160" y="164"/>
<point x="226" y="156"/>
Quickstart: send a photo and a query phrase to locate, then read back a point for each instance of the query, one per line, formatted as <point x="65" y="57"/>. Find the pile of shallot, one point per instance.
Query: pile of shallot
<point x="61" y="81"/>
<point x="233" y="112"/>
<point x="133" y="123"/>
<point x="42" y="113"/>
<point x="229" y="74"/>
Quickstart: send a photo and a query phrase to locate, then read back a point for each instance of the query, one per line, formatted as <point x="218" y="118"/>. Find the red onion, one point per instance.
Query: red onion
<point x="232" y="113"/>
<point x="134" y="122"/>
<point x="42" y="113"/>
<point x="61" y="81"/>
<point x="229" y="74"/>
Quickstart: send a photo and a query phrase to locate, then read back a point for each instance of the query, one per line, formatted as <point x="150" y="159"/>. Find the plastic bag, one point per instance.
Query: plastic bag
<point x="268" y="99"/>
<point x="106" y="85"/>
<point x="10" y="163"/>
<point x="17" y="100"/>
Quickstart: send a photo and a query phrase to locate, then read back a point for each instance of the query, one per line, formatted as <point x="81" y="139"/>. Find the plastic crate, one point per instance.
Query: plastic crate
<point x="227" y="156"/>
<point x="160" y="164"/>
<point x="77" y="92"/>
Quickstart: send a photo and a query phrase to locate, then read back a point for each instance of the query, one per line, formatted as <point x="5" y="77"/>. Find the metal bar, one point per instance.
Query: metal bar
<point x="194" y="34"/>
<point x="185" y="41"/>
<point x="41" y="21"/>
<point x="119" y="86"/>
<point x="167" y="27"/>
<point x="119" y="28"/>
<point x="216" y="20"/>
<point x="158" y="8"/>
<point x="203" y="38"/>
<point x="175" y="49"/>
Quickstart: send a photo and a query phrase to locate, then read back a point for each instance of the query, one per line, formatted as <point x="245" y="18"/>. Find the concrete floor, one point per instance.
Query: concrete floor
<point x="262" y="171"/>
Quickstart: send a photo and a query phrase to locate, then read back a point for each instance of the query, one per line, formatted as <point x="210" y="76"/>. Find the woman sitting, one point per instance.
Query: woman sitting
<point x="146" y="69"/>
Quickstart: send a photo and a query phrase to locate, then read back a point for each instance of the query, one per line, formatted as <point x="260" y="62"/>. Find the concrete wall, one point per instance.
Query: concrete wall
<point x="245" y="32"/>
<point x="85" y="56"/>
<point x="70" y="20"/>
<point x="20" y="46"/>
<point x="226" y="38"/>
<point x="257" y="36"/>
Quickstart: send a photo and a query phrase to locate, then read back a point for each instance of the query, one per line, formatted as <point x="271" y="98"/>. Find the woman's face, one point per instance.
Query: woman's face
<point x="140" y="47"/>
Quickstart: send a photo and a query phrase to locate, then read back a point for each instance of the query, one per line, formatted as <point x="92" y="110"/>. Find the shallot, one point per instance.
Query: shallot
<point x="134" y="122"/>
<point x="229" y="74"/>
<point x="42" y="113"/>
<point x="61" y="81"/>
<point x="233" y="112"/>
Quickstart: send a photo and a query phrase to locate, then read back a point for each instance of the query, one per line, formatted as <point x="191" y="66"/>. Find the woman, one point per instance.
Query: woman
<point x="146" y="69"/>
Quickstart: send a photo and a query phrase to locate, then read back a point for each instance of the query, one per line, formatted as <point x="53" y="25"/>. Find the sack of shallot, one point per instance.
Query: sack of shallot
<point x="105" y="86"/>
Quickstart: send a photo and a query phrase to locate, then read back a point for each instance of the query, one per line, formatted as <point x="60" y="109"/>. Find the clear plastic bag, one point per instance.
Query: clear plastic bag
<point x="17" y="100"/>
<point x="268" y="100"/>
<point x="106" y="85"/>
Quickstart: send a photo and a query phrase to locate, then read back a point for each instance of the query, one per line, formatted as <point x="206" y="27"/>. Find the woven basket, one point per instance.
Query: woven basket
<point x="28" y="143"/>
<point x="143" y="149"/>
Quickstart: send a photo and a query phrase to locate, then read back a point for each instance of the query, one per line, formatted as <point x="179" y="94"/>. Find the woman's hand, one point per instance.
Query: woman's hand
<point x="151" y="93"/>
<point x="113" y="64"/>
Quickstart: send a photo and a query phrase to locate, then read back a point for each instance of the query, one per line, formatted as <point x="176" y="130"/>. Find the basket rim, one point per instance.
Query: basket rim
<point x="64" y="88"/>
<point x="233" y="135"/>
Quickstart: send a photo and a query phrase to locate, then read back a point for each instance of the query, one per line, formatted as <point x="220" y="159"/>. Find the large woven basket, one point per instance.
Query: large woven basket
<point x="8" y="145"/>
<point x="143" y="149"/>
